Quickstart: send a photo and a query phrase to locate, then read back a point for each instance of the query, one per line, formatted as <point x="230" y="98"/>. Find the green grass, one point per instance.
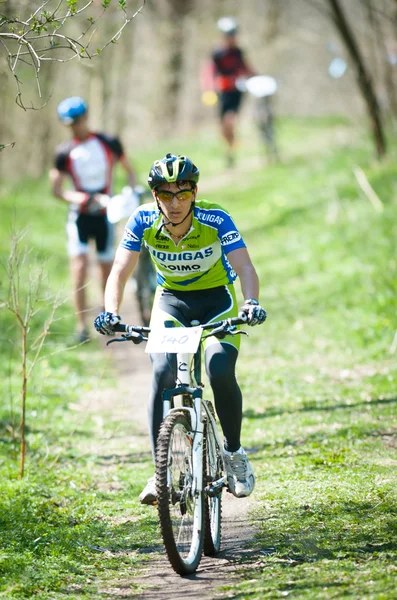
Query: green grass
<point x="318" y="379"/>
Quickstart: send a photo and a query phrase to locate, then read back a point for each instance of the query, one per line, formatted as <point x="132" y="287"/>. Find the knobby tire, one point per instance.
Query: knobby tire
<point x="181" y="515"/>
<point x="213" y="505"/>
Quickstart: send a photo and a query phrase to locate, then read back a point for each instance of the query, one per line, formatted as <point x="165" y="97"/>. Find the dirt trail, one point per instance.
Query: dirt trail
<point x="157" y="578"/>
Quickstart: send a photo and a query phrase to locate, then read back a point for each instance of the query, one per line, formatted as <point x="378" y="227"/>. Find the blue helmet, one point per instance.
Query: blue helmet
<point x="70" y="109"/>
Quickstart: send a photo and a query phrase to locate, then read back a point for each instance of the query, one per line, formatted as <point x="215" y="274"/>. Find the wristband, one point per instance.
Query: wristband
<point x="251" y="301"/>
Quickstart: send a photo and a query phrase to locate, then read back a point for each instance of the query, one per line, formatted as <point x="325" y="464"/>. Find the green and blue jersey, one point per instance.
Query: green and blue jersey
<point x="199" y="260"/>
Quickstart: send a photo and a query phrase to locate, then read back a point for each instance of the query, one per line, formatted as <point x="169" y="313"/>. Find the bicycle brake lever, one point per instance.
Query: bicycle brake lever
<point x="134" y="337"/>
<point x="221" y="333"/>
<point x="239" y="332"/>
<point x="123" y="338"/>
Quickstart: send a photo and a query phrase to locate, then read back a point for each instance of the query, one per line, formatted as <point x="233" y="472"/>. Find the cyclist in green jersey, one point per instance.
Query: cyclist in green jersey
<point x="198" y="253"/>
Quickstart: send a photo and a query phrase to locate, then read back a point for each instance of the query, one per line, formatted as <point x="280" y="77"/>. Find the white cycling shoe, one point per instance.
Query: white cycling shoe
<point x="148" y="495"/>
<point x="240" y="475"/>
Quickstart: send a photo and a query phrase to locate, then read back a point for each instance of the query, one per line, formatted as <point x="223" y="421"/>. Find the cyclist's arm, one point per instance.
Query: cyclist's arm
<point x="124" y="264"/>
<point x="241" y="263"/>
<point x="57" y="179"/>
<point x="123" y="160"/>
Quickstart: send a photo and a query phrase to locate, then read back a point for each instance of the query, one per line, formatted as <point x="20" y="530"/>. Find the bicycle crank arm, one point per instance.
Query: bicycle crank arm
<point x="216" y="487"/>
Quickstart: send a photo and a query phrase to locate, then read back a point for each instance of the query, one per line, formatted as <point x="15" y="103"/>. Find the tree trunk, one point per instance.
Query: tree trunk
<point x="363" y="77"/>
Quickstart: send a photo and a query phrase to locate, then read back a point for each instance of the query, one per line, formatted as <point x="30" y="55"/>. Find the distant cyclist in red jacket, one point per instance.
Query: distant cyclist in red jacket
<point x="227" y="65"/>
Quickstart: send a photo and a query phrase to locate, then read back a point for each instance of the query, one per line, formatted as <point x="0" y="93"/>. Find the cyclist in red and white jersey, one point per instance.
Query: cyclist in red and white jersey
<point x="88" y="160"/>
<point x="228" y="63"/>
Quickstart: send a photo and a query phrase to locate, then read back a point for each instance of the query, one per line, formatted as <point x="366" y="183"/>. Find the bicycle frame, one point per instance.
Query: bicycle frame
<point x="191" y="384"/>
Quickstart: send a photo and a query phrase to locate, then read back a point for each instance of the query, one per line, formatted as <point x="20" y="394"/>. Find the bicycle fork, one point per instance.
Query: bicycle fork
<point x="185" y="385"/>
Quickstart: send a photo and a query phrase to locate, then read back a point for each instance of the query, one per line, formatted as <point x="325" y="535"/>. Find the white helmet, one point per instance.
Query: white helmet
<point x="227" y="25"/>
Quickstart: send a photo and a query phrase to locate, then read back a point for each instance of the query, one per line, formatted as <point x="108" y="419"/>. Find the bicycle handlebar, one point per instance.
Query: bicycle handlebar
<point x="136" y="333"/>
<point x="240" y="320"/>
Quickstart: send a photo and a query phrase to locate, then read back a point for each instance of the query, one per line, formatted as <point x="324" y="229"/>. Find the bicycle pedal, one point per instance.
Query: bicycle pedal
<point x="215" y="489"/>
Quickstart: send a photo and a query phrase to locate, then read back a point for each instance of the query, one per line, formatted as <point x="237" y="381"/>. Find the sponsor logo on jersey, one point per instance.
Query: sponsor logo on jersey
<point x="182" y="256"/>
<point x="188" y="261"/>
<point x="183" y="268"/>
<point x="148" y="219"/>
<point x="210" y="218"/>
<point x="230" y="238"/>
<point x="129" y="236"/>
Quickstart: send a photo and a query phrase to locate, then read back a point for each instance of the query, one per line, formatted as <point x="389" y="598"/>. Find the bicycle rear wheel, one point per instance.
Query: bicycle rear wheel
<point x="213" y="503"/>
<point x="181" y="512"/>
<point x="265" y="122"/>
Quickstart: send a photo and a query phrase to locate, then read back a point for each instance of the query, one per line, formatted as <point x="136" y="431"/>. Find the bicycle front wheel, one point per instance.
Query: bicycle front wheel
<point x="180" y="507"/>
<point x="213" y="503"/>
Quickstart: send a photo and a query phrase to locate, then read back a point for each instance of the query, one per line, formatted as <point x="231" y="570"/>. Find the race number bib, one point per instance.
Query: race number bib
<point x="173" y="340"/>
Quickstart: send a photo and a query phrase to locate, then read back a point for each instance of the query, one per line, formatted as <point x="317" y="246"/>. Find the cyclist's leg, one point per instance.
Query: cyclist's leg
<point x="229" y="107"/>
<point x="220" y="360"/>
<point x="164" y="365"/>
<point x="163" y="377"/>
<point x="103" y="232"/>
<point x="77" y="247"/>
<point x="220" y="363"/>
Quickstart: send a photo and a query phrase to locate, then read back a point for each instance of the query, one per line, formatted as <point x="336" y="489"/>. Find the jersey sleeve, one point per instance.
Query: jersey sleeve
<point x="133" y="233"/>
<point x="113" y="143"/>
<point x="229" y="235"/>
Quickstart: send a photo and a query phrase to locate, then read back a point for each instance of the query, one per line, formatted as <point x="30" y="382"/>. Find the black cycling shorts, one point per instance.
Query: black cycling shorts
<point x="229" y="102"/>
<point x="205" y="306"/>
<point x="81" y="228"/>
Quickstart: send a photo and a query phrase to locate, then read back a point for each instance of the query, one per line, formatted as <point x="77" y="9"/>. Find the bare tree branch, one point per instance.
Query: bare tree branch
<point x="31" y="39"/>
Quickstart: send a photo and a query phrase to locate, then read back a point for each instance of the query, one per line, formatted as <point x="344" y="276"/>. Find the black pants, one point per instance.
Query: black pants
<point x="229" y="102"/>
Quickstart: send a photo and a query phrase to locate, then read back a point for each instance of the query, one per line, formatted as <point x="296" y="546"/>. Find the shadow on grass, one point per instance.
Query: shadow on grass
<point x="312" y="445"/>
<point x="123" y="459"/>
<point x="275" y="411"/>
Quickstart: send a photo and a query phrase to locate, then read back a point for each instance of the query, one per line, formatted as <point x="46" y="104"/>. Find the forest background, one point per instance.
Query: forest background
<point x="147" y="85"/>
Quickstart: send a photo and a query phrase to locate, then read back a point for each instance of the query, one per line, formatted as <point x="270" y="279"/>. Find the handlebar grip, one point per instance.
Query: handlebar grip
<point x="123" y="328"/>
<point x="120" y="327"/>
<point x="240" y="320"/>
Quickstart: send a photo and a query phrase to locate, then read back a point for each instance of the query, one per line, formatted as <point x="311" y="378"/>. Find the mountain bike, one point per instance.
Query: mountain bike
<point x="263" y="88"/>
<point x="264" y="118"/>
<point x="190" y="470"/>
